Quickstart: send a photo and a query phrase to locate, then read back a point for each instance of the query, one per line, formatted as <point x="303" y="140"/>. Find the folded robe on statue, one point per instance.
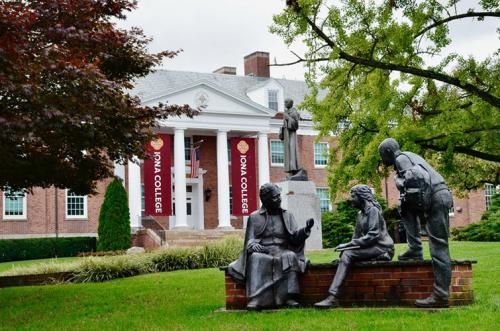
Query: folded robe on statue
<point x="271" y="276"/>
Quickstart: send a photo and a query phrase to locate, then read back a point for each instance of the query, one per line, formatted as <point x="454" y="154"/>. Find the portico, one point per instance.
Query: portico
<point x="222" y="117"/>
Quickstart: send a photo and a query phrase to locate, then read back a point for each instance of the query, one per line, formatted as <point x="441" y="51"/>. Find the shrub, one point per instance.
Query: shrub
<point x="488" y="229"/>
<point x="95" y="269"/>
<point x="209" y="256"/>
<point x="42" y="248"/>
<point x="98" y="269"/>
<point x="338" y="225"/>
<point x="114" y="219"/>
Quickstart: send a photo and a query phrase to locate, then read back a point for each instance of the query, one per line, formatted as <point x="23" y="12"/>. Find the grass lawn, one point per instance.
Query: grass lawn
<point x="186" y="300"/>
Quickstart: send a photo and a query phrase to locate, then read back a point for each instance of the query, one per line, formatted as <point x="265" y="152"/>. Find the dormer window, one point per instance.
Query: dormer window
<point x="272" y="99"/>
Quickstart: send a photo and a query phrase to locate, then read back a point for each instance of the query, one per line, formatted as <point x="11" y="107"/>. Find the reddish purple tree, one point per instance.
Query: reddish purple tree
<point x="65" y="113"/>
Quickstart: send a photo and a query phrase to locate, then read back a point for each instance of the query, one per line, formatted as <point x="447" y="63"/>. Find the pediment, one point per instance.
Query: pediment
<point x="212" y="99"/>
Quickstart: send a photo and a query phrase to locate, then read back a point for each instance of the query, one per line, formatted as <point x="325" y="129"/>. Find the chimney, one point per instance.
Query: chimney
<point x="257" y="64"/>
<point x="226" y="71"/>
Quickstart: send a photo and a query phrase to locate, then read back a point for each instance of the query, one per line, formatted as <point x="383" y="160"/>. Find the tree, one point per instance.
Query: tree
<point x="65" y="75"/>
<point x="371" y="78"/>
<point x="114" y="219"/>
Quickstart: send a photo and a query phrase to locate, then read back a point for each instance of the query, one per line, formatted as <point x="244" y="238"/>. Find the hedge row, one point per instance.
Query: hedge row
<point x="98" y="269"/>
<point x="41" y="248"/>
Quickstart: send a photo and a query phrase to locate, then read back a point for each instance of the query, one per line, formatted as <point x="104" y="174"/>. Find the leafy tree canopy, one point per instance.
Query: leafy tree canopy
<point x="381" y="69"/>
<point x="65" y="113"/>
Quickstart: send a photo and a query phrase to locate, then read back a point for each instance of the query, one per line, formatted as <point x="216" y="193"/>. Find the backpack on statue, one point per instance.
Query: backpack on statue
<point x="417" y="193"/>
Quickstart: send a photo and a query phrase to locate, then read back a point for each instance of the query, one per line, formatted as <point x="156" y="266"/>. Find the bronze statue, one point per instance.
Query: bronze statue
<point x="424" y="198"/>
<point x="288" y="134"/>
<point x="273" y="254"/>
<point x="369" y="242"/>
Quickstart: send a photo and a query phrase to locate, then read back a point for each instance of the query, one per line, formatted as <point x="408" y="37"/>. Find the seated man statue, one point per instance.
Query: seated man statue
<point x="370" y="241"/>
<point x="273" y="254"/>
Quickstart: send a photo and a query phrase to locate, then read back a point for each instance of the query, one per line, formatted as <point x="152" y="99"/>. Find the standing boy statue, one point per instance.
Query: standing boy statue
<point x="424" y="197"/>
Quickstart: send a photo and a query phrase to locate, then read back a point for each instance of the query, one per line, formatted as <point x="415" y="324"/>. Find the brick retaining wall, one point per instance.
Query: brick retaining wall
<point x="397" y="283"/>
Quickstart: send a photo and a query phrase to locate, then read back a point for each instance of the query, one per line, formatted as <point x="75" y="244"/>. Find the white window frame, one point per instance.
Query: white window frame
<point x="321" y="166"/>
<point x="329" y="201"/>
<point x="489" y="192"/>
<point x="22" y="217"/>
<point x="76" y="217"/>
<point x="271" y="153"/>
<point x="187" y="157"/>
<point x="273" y="91"/>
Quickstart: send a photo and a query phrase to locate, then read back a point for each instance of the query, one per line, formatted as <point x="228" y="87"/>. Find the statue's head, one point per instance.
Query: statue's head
<point x="288" y="103"/>
<point x="360" y="194"/>
<point x="270" y="195"/>
<point x="388" y="149"/>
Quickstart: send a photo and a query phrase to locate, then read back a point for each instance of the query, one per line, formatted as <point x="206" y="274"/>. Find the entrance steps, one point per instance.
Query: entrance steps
<point x="190" y="238"/>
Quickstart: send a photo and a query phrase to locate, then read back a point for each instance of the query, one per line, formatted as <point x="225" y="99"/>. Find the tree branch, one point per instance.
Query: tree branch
<point x="368" y="129"/>
<point x="495" y="127"/>
<point x="456" y="17"/>
<point x="465" y="150"/>
<point x="299" y="59"/>
<point x="491" y="99"/>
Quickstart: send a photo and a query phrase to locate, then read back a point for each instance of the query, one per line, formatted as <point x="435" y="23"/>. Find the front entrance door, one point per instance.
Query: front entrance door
<point x="190" y="206"/>
<point x="192" y="209"/>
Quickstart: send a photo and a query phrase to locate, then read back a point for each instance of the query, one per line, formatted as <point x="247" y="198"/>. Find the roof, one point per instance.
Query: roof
<point x="160" y="82"/>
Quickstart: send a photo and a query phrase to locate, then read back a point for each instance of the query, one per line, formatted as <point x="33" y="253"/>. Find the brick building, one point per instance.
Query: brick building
<point x="233" y="106"/>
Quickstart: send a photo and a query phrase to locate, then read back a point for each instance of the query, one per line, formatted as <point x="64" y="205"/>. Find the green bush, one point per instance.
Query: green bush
<point x="392" y="218"/>
<point x="114" y="219"/>
<point x="338" y="225"/>
<point x="42" y="248"/>
<point x="98" y="269"/>
<point x="488" y="229"/>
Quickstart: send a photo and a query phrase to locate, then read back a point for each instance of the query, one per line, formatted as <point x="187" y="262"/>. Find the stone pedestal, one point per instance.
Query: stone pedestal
<point x="299" y="198"/>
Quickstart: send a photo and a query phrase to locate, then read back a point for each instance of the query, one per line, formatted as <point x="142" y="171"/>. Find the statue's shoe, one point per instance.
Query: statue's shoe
<point x="290" y="303"/>
<point x="252" y="305"/>
<point x="329" y="302"/>
<point x="411" y="255"/>
<point x="432" y="302"/>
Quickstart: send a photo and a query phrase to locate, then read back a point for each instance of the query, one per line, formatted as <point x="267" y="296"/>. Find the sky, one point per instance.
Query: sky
<point x="216" y="33"/>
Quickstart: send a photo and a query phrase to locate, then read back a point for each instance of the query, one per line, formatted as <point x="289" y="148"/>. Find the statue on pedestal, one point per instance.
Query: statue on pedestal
<point x="288" y="133"/>
<point x="424" y="197"/>
<point x="273" y="254"/>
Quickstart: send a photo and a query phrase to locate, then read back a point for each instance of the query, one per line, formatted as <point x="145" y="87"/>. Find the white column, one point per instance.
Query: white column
<point x="263" y="159"/>
<point x="134" y="193"/>
<point x="119" y="171"/>
<point x="223" y="181"/>
<point x="180" y="180"/>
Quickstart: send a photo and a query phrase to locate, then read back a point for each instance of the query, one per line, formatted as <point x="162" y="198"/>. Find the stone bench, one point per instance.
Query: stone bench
<point x="394" y="283"/>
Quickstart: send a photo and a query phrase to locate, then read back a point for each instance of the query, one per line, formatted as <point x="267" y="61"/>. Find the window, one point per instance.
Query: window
<point x="188" y="142"/>
<point x="230" y="200"/>
<point x="272" y="99"/>
<point x="324" y="199"/>
<point x="76" y="205"/>
<point x="320" y="154"/>
<point x="143" y="199"/>
<point x="14" y="205"/>
<point x="277" y="153"/>
<point x="489" y="191"/>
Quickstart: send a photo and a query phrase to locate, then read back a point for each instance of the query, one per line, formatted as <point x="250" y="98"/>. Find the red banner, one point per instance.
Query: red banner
<point x="157" y="177"/>
<point x="244" y="181"/>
